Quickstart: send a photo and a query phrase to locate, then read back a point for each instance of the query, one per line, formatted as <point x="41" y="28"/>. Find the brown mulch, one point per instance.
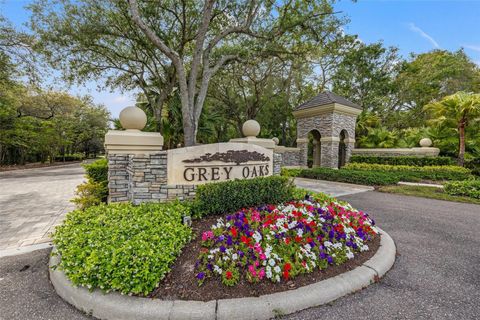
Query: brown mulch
<point x="181" y="283"/>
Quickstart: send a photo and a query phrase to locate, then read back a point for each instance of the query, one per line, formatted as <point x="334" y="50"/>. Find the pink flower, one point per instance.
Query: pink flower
<point x="251" y="269"/>
<point x="207" y="235"/>
<point x="263" y="256"/>
<point x="261" y="273"/>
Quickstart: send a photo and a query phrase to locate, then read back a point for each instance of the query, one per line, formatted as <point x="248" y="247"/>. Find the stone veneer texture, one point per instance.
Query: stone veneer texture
<point x="143" y="178"/>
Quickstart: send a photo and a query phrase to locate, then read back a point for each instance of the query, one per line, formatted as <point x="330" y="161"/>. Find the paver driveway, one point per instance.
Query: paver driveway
<point x="33" y="201"/>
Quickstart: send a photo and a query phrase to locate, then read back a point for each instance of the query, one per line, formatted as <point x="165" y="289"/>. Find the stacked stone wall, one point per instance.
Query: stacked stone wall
<point x="143" y="178"/>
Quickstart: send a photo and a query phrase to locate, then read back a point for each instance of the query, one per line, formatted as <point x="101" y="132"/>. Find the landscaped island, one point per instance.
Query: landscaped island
<point x="278" y="237"/>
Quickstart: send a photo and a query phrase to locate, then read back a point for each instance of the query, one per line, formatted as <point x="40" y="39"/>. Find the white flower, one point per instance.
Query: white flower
<point x="364" y="248"/>
<point x="257" y="236"/>
<point x="350" y="255"/>
<point x="277" y="269"/>
<point x="234" y="256"/>
<point x="277" y="278"/>
<point x="217" y="269"/>
<point x="271" y="262"/>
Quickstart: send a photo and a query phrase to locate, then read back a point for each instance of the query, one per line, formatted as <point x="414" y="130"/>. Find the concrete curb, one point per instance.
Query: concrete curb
<point x="121" y="307"/>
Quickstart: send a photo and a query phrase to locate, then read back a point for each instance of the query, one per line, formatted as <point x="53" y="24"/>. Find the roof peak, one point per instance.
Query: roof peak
<point x="327" y="97"/>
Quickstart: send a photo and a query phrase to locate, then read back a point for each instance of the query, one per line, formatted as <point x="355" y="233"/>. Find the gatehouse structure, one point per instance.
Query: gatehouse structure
<point x="328" y="122"/>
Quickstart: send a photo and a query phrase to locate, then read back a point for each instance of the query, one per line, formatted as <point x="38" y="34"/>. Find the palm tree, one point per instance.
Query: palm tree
<point x="457" y="110"/>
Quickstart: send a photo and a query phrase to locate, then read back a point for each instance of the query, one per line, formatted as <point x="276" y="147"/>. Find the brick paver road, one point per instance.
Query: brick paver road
<point x="33" y="201"/>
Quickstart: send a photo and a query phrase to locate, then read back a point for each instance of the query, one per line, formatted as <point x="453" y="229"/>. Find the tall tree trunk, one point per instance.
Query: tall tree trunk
<point x="461" y="147"/>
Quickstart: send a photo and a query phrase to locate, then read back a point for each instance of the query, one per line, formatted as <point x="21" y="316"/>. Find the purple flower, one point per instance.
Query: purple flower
<point x="322" y="255"/>
<point x="223" y="249"/>
<point x="210" y="266"/>
<point x="229" y="240"/>
<point x="201" y="275"/>
<point x="329" y="259"/>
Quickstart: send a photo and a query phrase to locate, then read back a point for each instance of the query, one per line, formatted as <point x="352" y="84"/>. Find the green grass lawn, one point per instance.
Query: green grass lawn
<point x="426" y="192"/>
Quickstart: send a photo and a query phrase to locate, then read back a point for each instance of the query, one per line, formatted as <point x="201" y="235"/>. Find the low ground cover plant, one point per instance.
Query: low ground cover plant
<point x="464" y="188"/>
<point x="404" y="160"/>
<point x="95" y="190"/>
<point x="415" y="173"/>
<point x="229" y="196"/>
<point x="280" y="242"/>
<point x="373" y="178"/>
<point x="121" y="247"/>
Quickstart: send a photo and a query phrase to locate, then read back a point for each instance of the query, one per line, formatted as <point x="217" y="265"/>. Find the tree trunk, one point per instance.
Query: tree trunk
<point x="461" y="147"/>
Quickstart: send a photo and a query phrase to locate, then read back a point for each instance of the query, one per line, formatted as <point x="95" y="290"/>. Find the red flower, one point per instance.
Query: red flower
<point x="229" y="275"/>
<point x="287" y="267"/>
<point x="287" y="240"/>
<point x="234" y="232"/>
<point x="298" y="239"/>
<point x="245" y="240"/>
<point x="285" y="275"/>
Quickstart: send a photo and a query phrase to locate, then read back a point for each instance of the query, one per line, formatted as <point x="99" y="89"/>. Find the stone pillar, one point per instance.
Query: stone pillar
<point x="117" y="177"/>
<point x="329" y="156"/>
<point x="350" y="144"/>
<point x="302" y="144"/>
<point x="147" y="175"/>
<point x="135" y="168"/>
<point x="277" y="163"/>
<point x="317" y="152"/>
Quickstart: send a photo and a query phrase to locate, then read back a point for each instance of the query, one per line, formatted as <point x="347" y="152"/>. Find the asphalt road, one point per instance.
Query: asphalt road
<point x="435" y="276"/>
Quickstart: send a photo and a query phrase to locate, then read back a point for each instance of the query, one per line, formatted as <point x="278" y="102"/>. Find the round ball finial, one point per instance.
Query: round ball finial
<point x="276" y="141"/>
<point x="133" y="118"/>
<point x="251" y="128"/>
<point x="425" y="142"/>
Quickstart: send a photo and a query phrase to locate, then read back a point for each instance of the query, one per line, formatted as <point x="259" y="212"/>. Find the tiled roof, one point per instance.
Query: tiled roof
<point x="325" y="98"/>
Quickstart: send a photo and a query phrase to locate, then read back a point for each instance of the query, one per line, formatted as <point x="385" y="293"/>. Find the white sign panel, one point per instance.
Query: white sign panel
<point x="218" y="162"/>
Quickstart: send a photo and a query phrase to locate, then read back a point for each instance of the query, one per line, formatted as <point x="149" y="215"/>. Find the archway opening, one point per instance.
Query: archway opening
<point x="314" y="149"/>
<point x="342" y="149"/>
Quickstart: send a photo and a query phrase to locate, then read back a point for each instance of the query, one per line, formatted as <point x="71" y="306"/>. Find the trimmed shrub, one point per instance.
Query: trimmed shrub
<point x="121" y="247"/>
<point x="230" y="196"/>
<point x="414" y="173"/>
<point x="97" y="170"/>
<point x="70" y="157"/>
<point x="95" y="190"/>
<point x="464" y="188"/>
<point x="404" y="160"/>
<point x="90" y="193"/>
<point x="350" y="176"/>
<point x="474" y="165"/>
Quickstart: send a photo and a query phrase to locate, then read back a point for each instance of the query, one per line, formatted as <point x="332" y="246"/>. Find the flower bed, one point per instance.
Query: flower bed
<point x="279" y="242"/>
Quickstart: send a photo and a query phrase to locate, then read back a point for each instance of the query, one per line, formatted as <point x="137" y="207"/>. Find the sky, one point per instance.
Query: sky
<point x="414" y="26"/>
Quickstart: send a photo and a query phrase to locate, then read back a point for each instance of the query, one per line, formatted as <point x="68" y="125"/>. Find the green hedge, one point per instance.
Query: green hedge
<point x="95" y="190"/>
<point x="97" y="170"/>
<point x="121" y="247"/>
<point x="403" y="160"/>
<point x="349" y="176"/>
<point x="474" y="165"/>
<point x="70" y="157"/>
<point x="229" y="196"/>
<point x="415" y="173"/>
<point x="464" y="188"/>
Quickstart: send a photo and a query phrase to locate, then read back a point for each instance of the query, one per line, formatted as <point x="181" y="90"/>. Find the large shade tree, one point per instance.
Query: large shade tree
<point x="213" y="33"/>
<point x="458" y="111"/>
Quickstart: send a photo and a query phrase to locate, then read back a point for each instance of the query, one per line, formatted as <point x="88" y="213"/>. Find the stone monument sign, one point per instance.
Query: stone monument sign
<point x="218" y="162"/>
